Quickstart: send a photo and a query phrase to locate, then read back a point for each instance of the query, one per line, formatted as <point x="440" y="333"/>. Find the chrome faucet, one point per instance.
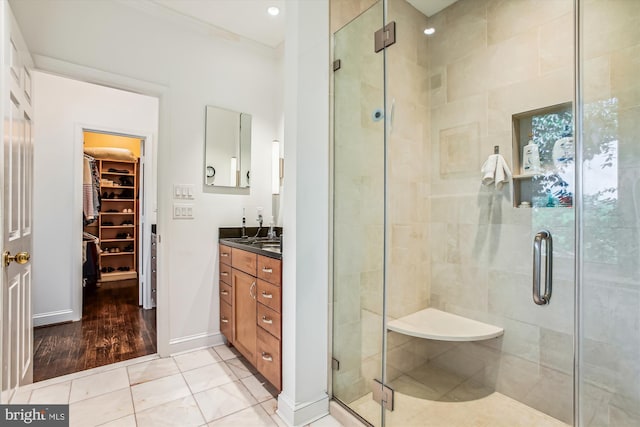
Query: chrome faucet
<point x="244" y="225"/>
<point x="259" y="219"/>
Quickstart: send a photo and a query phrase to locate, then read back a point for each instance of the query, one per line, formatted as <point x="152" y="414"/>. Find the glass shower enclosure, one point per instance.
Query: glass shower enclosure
<point x="486" y="187"/>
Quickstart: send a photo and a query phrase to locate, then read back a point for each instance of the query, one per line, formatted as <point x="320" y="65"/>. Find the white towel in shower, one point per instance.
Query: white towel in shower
<point x="495" y="170"/>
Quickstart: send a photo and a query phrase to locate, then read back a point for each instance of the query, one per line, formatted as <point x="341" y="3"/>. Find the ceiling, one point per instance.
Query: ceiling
<point x="431" y="7"/>
<point x="247" y="18"/>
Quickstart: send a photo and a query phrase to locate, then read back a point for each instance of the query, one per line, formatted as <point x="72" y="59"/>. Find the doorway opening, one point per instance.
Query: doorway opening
<point x="118" y="318"/>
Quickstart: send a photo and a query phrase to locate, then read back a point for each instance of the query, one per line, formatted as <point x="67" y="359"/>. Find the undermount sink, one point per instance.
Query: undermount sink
<point x="272" y="245"/>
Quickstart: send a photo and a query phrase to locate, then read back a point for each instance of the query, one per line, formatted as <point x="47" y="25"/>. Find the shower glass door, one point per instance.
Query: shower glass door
<point x="467" y="79"/>
<point x="358" y="211"/>
<point x="609" y="339"/>
<point x="425" y="244"/>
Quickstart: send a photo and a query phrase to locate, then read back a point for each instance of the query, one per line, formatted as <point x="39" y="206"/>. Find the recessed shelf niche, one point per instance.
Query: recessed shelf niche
<point x="545" y="126"/>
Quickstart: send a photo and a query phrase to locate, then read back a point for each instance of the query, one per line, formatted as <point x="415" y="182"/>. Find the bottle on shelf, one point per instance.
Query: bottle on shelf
<point x="530" y="158"/>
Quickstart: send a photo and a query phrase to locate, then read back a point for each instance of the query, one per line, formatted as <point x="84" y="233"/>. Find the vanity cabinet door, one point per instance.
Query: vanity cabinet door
<point x="268" y="358"/>
<point x="270" y="269"/>
<point x="269" y="295"/>
<point x="269" y="320"/>
<point x="226" y="321"/>
<point x="225" y="254"/>
<point x="244" y="312"/>
<point x="243" y="260"/>
<point x="225" y="273"/>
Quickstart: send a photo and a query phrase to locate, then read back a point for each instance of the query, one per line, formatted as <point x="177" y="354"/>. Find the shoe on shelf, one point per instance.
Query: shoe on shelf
<point x="107" y="224"/>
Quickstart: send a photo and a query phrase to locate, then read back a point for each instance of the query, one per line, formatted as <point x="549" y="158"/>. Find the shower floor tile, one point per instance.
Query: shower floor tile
<point x="486" y="409"/>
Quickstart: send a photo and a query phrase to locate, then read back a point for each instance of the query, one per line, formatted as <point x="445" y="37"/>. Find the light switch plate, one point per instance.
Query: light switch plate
<point x="183" y="191"/>
<point x="182" y="211"/>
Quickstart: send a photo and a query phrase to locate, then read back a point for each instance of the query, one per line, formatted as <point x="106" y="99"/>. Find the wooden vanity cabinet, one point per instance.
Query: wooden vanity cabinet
<point x="250" y="303"/>
<point x="244" y="311"/>
<point x="226" y="293"/>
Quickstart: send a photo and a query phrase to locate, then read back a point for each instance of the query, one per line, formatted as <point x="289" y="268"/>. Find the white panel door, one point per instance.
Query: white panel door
<point x="17" y="236"/>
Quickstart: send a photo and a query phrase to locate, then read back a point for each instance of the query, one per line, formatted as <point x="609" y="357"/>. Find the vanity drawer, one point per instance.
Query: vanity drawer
<point x="269" y="320"/>
<point x="225" y="293"/>
<point x="225" y="273"/>
<point x="269" y="295"/>
<point x="244" y="261"/>
<point x="270" y="269"/>
<point x="225" y="254"/>
<point x="226" y="321"/>
<point x="268" y="357"/>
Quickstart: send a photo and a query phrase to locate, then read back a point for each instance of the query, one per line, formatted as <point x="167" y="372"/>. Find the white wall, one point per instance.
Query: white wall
<point x="197" y="67"/>
<point x="62" y="108"/>
<point x="306" y="213"/>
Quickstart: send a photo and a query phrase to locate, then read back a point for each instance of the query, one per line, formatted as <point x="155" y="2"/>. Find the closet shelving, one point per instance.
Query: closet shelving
<point x="118" y="222"/>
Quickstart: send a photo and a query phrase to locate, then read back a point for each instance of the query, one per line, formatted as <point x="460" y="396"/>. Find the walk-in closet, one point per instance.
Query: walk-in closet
<point x="114" y="325"/>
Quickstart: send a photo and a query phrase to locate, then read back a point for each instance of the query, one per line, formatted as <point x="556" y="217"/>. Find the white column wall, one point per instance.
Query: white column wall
<point x="306" y="213"/>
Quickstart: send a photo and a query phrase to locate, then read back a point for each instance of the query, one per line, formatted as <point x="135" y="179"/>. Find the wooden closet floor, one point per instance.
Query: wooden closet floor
<point x="113" y="328"/>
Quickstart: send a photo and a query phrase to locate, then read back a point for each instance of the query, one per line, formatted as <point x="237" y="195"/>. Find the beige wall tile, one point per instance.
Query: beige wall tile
<point x="344" y="11"/>
<point x="508" y="18"/>
<point x="556" y="43"/>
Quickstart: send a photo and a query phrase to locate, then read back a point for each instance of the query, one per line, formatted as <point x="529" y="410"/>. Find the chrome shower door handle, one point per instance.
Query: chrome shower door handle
<point x="542" y="236"/>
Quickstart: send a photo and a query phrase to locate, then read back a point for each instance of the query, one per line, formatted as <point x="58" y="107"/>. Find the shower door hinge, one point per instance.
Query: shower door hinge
<point x="382" y="394"/>
<point x="336" y="65"/>
<point x="385" y="36"/>
<point x="335" y="364"/>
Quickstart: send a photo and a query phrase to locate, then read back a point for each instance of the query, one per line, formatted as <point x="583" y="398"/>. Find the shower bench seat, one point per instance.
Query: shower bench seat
<point x="435" y="324"/>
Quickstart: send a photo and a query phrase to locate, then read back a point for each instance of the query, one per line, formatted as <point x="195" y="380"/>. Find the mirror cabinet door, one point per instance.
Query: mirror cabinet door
<point x="227" y="148"/>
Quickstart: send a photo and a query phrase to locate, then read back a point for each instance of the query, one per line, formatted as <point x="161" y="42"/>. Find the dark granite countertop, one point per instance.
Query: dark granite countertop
<point x="272" y="248"/>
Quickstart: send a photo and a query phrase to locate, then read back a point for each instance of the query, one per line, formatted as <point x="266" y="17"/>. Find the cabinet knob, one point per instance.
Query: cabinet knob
<point x="224" y="254"/>
<point x="267" y="320"/>
<point x="267" y="357"/>
<point x="267" y="270"/>
<point x="224" y="273"/>
<point x="224" y="292"/>
<point x="266" y="295"/>
<point x="224" y="320"/>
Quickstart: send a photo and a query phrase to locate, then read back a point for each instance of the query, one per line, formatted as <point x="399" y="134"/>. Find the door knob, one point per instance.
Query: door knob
<point x="20" y="258"/>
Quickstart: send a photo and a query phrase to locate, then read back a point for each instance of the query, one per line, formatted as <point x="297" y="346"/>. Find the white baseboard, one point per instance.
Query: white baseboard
<point x="304" y="413"/>
<point x="42" y="319"/>
<point x="193" y="342"/>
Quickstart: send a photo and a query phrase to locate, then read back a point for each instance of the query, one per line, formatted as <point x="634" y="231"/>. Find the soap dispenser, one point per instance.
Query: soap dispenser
<point x="563" y="148"/>
<point x="272" y="232"/>
<point x="530" y="158"/>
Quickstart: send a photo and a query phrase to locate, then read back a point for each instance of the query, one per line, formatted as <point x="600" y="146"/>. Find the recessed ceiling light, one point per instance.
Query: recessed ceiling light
<point x="429" y="31"/>
<point x="273" y="11"/>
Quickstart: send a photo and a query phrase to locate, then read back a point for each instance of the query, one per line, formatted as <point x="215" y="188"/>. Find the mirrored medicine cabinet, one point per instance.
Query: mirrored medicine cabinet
<point x="227" y="148"/>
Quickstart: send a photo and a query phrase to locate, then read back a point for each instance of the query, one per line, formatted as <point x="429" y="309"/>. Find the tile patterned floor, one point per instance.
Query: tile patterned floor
<point x="467" y="406"/>
<point x="210" y="387"/>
